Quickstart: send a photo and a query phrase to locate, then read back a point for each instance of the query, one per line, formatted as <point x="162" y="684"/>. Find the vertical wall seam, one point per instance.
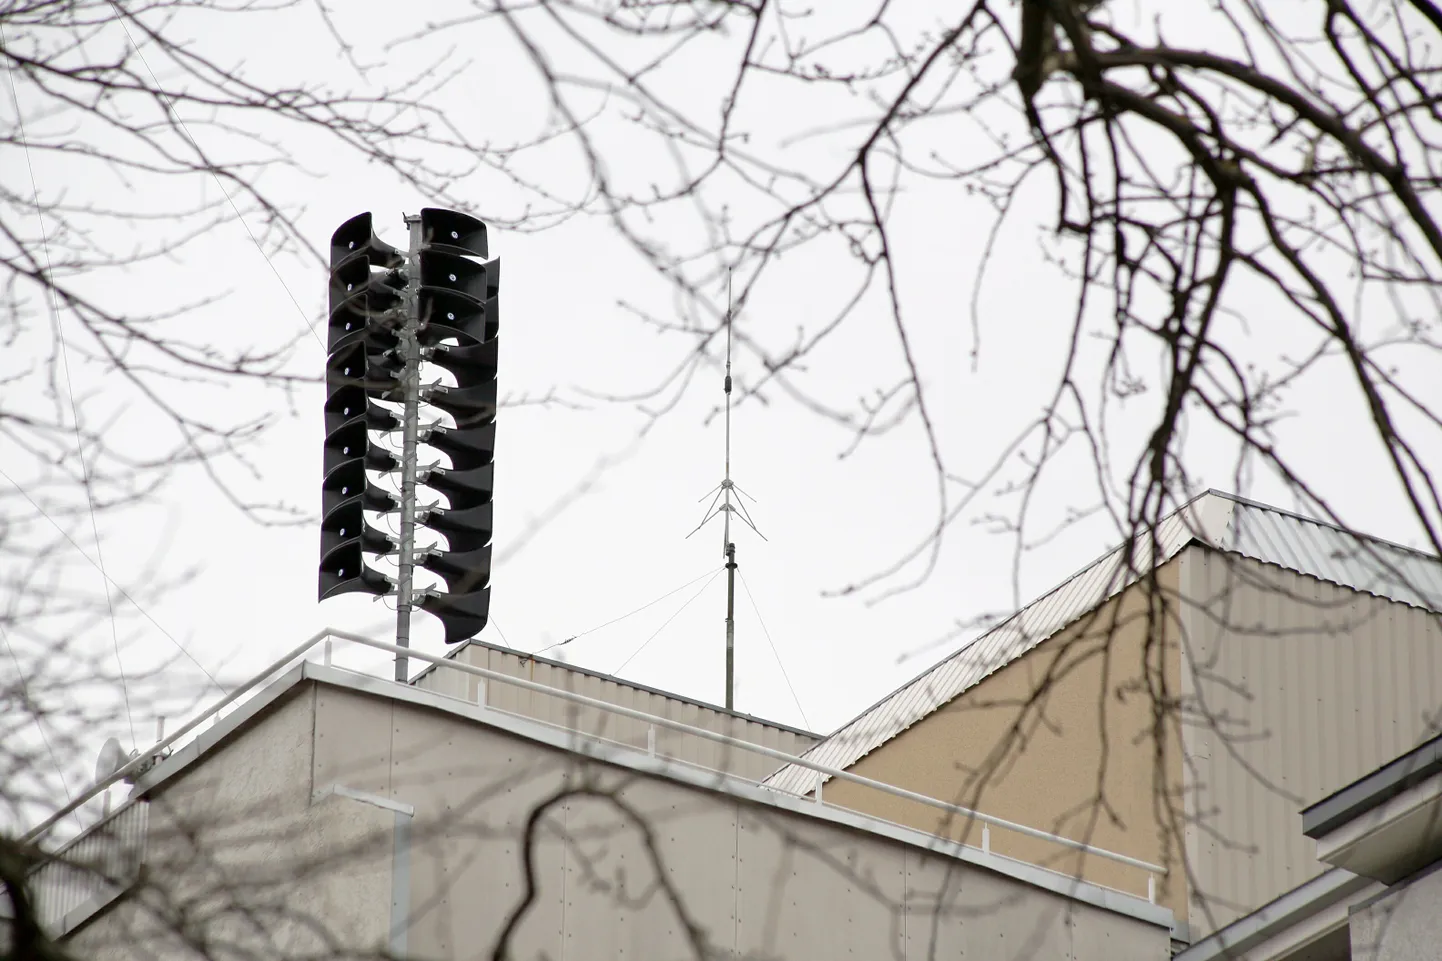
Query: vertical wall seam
<point x="314" y="730"/>
<point x="736" y="883"/>
<point x="391" y="758"/>
<point x="565" y="867"/>
<point x="906" y="854"/>
<point x="400" y="885"/>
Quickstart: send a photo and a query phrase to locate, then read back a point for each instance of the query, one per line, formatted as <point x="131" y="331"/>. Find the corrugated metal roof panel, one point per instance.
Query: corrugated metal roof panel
<point x="1225" y="522"/>
<point x="1329" y="553"/>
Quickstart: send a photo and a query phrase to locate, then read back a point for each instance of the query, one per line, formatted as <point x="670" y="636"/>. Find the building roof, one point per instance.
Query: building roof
<point x="1217" y="520"/>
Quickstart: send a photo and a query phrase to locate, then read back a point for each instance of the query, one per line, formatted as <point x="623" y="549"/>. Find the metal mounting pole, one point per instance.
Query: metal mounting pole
<point x="411" y="385"/>
<point x="730" y="627"/>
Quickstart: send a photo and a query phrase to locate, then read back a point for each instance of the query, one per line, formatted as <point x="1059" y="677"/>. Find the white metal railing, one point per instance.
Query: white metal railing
<point x="823" y="771"/>
<point x="92" y="867"/>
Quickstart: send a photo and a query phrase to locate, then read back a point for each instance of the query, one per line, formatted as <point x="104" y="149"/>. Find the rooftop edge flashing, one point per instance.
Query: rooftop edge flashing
<point x="1373" y="790"/>
<point x="220" y="731"/>
<point x="1300" y="903"/>
<point x="1359" y="535"/>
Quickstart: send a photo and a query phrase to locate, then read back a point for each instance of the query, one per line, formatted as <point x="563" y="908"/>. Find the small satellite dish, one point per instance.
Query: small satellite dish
<point x="112" y="758"/>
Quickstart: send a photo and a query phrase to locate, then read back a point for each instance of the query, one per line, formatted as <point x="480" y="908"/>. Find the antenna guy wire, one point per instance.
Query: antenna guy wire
<point x="775" y="653"/>
<point x="70" y="391"/>
<point x="195" y="145"/>
<point x="668" y="620"/>
<point x="614" y="620"/>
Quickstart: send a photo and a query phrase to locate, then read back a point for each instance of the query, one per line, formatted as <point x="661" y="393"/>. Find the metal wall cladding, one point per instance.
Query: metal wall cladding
<point x="240" y="859"/>
<point x="1294" y="687"/>
<point x="629" y="731"/>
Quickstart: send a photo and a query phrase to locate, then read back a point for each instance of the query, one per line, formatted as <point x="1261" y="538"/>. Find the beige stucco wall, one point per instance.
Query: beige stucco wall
<point x="1284" y="689"/>
<point x="1040" y="741"/>
<point x="1296" y="687"/>
<point x="598" y="723"/>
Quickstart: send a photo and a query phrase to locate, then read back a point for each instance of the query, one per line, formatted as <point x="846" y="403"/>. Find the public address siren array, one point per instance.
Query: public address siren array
<point x="393" y="315"/>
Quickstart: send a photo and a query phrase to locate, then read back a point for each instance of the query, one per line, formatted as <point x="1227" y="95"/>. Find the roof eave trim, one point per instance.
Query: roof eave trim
<point x="1372" y="790"/>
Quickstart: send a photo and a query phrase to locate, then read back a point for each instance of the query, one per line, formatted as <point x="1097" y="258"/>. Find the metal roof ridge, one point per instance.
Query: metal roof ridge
<point x="1320" y="522"/>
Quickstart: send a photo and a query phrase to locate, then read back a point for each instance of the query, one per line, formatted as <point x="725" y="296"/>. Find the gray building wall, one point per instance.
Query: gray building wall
<point x="1292" y="688"/>
<point x="1403" y="924"/>
<point x="626" y="865"/>
<point x="614" y="863"/>
<point x="598" y="723"/>
<point x="240" y="862"/>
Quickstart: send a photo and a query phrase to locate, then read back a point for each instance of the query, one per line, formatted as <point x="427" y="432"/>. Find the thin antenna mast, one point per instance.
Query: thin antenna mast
<point x="722" y="503"/>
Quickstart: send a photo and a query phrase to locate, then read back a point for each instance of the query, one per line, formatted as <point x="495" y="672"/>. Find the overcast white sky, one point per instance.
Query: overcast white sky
<point x="828" y="521"/>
